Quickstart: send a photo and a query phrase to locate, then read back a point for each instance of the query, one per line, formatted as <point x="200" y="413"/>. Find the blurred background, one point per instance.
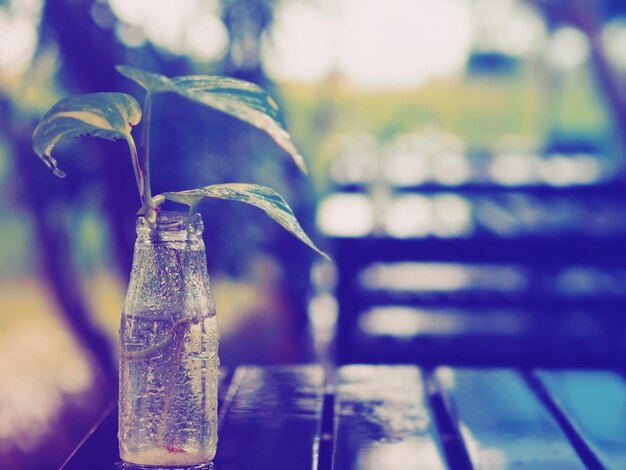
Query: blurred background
<point x="467" y="161"/>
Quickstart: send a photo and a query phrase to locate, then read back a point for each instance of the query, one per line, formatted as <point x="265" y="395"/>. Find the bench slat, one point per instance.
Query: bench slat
<point x="99" y="450"/>
<point x="272" y="419"/>
<point x="503" y="423"/>
<point x="384" y="421"/>
<point x="595" y="404"/>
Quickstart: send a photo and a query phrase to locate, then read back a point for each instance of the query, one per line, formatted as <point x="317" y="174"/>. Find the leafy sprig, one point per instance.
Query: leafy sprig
<point x="112" y="116"/>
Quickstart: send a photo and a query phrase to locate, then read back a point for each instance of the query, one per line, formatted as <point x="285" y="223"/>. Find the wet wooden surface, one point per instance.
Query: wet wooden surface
<point x="384" y="420"/>
<point x="271" y="419"/>
<point x="595" y="404"/>
<point x="403" y="417"/>
<point x="502" y="423"/>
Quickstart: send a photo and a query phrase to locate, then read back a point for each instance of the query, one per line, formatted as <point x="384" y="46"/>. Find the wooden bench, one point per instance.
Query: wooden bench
<point x="404" y="417"/>
<point x="563" y="246"/>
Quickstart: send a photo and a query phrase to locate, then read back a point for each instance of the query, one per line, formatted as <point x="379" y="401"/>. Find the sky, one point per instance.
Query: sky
<point x="401" y="45"/>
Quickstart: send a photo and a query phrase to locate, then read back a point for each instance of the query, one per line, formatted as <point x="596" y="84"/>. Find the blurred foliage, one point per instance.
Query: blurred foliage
<point x="483" y="111"/>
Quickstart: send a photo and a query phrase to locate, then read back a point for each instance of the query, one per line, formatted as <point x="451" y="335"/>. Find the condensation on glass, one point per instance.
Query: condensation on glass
<point x="168" y="348"/>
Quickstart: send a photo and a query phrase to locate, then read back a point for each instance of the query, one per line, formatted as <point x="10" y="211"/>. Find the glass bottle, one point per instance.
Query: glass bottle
<point x="168" y="348"/>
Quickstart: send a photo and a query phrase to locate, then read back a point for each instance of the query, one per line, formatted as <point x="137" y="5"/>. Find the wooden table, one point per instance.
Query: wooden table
<point x="402" y="417"/>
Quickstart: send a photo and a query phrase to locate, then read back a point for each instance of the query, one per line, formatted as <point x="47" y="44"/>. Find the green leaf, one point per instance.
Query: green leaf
<point x="152" y="82"/>
<point x="106" y="115"/>
<point x="243" y="100"/>
<point x="262" y="197"/>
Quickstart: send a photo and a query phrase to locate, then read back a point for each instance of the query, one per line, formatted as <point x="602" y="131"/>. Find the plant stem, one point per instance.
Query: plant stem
<point x="141" y="164"/>
<point x="139" y="177"/>
<point x="182" y="328"/>
<point x="145" y="148"/>
<point x="179" y="331"/>
<point x="158" y="348"/>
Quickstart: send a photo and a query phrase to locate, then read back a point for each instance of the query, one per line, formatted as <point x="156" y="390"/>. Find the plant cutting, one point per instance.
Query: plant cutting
<point x="168" y="333"/>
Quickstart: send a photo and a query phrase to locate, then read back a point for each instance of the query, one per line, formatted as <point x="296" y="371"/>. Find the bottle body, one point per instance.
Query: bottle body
<point x="168" y="349"/>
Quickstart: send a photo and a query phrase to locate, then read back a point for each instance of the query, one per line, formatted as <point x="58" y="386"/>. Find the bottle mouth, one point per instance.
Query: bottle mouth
<point x="172" y="222"/>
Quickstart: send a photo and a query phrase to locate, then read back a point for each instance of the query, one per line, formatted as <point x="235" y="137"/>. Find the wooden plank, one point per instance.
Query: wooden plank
<point x="383" y="420"/>
<point x="503" y="423"/>
<point x="273" y="419"/>
<point x="98" y="451"/>
<point x="595" y="404"/>
<point x="531" y="250"/>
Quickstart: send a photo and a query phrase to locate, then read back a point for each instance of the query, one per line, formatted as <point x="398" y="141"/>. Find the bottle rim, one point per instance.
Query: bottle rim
<point x="171" y="222"/>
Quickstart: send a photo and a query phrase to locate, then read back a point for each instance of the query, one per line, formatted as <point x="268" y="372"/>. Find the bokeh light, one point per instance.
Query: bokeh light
<point x="412" y="41"/>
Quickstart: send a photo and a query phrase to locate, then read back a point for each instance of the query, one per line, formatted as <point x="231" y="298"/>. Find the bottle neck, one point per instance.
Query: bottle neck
<point x="170" y="227"/>
<point x="169" y="271"/>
